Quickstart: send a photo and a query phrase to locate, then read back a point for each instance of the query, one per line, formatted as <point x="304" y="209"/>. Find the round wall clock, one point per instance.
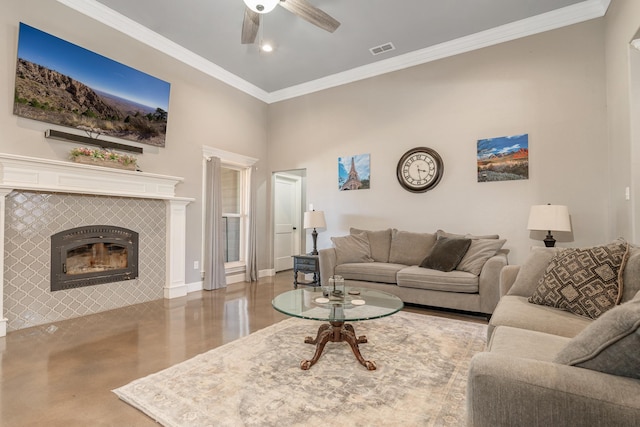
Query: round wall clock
<point x="420" y="169"/>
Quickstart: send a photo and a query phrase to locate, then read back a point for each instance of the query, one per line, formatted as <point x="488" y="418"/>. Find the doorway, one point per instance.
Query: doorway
<point x="287" y="217"/>
<point x="633" y="193"/>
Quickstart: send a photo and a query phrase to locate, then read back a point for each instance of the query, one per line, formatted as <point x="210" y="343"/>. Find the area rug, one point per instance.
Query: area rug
<point x="256" y="380"/>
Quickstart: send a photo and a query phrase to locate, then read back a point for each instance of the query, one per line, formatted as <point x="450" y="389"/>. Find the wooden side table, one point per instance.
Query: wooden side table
<point x="306" y="264"/>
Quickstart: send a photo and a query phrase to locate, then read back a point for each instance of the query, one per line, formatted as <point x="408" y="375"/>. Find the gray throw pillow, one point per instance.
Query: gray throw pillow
<point x="379" y="243"/>
<point x="532" y="270"/>
<point x="610" y="344"/>
<point x="410" y="248"/>
<point x="478" y="253"/>
<point x="352" y="248"/>
<point x="446" y="254"/>
<point x="586" y="282"/>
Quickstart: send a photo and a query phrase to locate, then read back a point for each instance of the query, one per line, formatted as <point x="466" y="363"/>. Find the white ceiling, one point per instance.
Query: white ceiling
<point x="206" y="35"/>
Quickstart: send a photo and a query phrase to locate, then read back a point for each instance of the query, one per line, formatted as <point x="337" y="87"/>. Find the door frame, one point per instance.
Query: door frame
<point x="300" y="175"/>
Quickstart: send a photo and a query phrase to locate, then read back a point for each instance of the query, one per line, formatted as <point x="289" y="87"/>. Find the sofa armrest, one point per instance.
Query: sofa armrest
<point x="327" y="259"/>
<point x="488" y="282"/>
<point x="508" y="276"/>
<point x="509" y="391"/>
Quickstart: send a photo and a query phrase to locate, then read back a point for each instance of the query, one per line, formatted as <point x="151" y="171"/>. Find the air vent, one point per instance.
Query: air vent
<point x="382" y="48"/>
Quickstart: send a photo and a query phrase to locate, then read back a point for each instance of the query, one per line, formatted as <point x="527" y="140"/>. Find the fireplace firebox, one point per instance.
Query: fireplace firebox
<point x="93" y="255"/>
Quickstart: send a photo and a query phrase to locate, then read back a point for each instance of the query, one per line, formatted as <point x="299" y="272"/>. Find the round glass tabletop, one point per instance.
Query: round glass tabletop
<point x="358" y="304"/>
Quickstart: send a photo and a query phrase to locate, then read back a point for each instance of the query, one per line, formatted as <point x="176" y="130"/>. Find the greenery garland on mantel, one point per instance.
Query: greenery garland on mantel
<point x="106" y="158"/>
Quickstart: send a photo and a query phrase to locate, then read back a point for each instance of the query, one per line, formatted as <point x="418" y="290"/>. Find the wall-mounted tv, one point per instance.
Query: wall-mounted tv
<point x="64" y="84"/>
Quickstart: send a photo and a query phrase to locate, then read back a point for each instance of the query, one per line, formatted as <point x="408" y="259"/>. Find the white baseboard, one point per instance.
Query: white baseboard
<point x="267" y="272"/>
<point x="233" y="278"/>
<point x="175" y="291"/>
<point x="195" y="286"/>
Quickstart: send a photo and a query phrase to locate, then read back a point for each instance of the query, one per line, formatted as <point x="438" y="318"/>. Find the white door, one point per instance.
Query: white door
<point x="287" y="213"/>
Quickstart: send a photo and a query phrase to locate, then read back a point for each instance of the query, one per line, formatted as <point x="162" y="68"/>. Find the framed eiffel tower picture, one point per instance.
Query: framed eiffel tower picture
<point x="354" y="172"/>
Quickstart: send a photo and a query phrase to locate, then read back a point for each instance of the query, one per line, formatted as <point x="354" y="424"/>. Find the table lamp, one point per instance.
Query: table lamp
<point x="314" y="219"/>
<point x="549" y="218"/>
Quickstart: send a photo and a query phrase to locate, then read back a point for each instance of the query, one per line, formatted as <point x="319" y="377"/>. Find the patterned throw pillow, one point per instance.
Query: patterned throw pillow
<point x="586" y="282"/>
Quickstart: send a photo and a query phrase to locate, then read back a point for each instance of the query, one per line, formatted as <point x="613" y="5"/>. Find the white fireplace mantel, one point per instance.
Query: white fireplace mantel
<point x="37" y="174"/>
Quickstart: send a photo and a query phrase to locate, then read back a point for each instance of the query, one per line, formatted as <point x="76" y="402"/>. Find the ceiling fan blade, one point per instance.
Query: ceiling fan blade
<point x="312" y="14"/>
<point x="250" y="26"/>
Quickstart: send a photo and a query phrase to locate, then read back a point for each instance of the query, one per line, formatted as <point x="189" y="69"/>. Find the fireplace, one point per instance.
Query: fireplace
<point x="64" y="195"/>
<point x="93" y="255"/>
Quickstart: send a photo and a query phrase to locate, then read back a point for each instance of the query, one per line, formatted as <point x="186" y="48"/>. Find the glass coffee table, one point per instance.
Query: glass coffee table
<point x="358" y="304"/>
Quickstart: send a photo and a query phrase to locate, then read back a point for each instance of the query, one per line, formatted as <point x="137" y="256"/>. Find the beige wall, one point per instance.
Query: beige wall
<point x="203" y="111"/>
<point x="551" y="86"/>
<point x="622" y="23"/>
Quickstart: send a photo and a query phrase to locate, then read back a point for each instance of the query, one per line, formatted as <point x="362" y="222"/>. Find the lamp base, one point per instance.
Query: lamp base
<point x="314" y="235"/>
<point x="549" y="241"/>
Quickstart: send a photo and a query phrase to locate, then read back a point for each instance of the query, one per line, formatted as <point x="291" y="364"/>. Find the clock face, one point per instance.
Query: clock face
<point x="420" y="169"/>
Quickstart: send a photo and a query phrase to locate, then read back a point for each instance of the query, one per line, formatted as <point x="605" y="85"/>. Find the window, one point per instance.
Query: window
<point x="233" y="214"/>
<point x="235" y="182"/>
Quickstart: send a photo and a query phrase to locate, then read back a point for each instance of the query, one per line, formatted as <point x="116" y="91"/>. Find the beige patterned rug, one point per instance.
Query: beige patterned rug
<point x="256" y="380"/>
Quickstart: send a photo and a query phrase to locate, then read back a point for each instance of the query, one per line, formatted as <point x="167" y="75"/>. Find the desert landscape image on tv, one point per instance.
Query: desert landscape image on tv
<point x="64" y="84"/>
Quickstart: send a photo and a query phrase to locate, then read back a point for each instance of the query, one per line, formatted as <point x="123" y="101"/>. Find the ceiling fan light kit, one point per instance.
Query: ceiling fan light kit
<point x="300" y="8"/>
<point x="261" y="6"/>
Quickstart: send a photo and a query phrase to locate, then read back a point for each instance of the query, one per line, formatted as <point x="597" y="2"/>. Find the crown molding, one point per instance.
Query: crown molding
<point x="119" y="22"/>
<point x="569" y="15"/>
<point x="537" y="24"/>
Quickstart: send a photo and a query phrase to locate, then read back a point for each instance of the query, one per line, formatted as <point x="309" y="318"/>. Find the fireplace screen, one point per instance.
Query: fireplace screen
<point x="93" y="255"/>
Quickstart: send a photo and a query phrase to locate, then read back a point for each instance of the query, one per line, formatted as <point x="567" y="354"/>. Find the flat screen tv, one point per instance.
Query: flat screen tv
<point x="64" y="84"/>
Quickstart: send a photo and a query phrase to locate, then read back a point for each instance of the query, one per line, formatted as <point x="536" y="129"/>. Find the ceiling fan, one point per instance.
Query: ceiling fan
<point x="302" y="8"/>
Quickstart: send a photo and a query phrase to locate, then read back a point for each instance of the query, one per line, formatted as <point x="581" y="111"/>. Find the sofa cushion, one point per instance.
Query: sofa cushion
<point x="586" y="282"/>
<point x="424" y="278"/>
<point x="526" y="344"/>
<point x="516" y="311"/>
<point x="441" y="233"/>
<point x="370" y="271"/>
<point x="379" y="243"/>
<point x="410" y="248"/>
<point x="446" y="254"/>
<point x="611" y="344"/>
<point x="532" y="270"/>
<point x="352" y="248"/>
<point x="478" y="253"/>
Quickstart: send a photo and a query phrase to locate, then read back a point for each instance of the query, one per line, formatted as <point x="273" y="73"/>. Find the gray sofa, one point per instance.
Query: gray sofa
<point x="548" y="367"/>
<point x="389" y="260"/>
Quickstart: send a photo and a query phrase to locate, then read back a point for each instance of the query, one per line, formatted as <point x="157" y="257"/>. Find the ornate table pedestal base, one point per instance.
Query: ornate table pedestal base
<point x="337" y="332"/>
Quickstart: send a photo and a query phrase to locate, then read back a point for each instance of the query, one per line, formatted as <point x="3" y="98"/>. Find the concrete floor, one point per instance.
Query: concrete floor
<point x="62" y="374"/>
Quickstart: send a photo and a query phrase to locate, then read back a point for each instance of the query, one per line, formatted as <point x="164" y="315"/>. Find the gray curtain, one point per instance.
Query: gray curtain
<point x="251" y="272"/>
<point x="214" y="277"/>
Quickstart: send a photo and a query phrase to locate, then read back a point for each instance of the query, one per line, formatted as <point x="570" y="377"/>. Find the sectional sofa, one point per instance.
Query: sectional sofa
<point x="556" y="356"/>
<point x="430" y="269"/>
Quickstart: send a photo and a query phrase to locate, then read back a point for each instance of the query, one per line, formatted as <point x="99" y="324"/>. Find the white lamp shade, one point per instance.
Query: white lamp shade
<point x="549" y="218"/>
<point x="261" y="6"/>
<point x="314" y="219"/>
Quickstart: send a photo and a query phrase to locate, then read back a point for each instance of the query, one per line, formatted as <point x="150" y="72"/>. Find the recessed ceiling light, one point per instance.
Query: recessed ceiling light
<point x="266" y="47"/>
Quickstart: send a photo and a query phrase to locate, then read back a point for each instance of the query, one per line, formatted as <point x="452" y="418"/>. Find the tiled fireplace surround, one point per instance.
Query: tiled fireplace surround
<point x="40" y="197"/>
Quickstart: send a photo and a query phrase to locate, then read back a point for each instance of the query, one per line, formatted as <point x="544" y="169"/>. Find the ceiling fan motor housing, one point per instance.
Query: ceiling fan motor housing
<point x="261" y="6"/>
